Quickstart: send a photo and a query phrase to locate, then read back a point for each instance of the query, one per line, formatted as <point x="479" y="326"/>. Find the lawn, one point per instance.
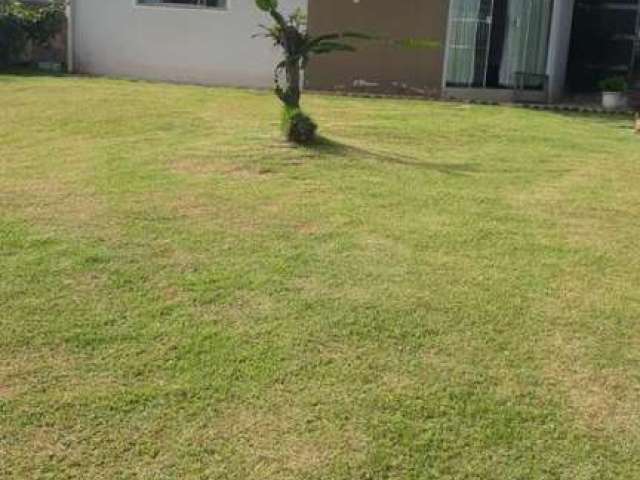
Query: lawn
<point x="437" y="291"/>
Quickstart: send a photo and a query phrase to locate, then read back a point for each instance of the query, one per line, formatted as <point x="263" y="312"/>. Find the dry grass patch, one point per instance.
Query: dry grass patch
<point x="285" y="442"/>
<point x="436" y="291"/>
<point x="308" y="228"/>
<point x="6" y="392"/>
<point x="593" y="204"/>
<point x="54" y="203"/>
<point x="26" y="372"/>
<point x="206" y="167"/>
<point x="604" y="400"/>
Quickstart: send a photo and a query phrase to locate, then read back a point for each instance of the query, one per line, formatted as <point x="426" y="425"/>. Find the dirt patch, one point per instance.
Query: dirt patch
<point x="6" y="392"/>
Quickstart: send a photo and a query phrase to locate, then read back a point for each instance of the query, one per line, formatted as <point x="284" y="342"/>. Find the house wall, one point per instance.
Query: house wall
<point x="208" y="46"/>
<point x="377" y="65"/>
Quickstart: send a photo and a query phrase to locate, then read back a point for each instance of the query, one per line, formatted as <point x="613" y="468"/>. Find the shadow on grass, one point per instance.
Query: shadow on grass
<point x="9" y="72"/>
<point x="327" y="146"/>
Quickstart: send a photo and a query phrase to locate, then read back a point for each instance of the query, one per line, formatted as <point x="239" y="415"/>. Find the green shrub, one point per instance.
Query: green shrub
<point x="613" y="84"/>
<point x="20" y="24"/>
<point x="13" y="39"/>
<point x="298" y="127"/>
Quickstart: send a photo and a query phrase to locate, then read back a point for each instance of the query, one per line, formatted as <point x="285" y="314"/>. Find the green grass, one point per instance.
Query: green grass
<point x="437" y="291"/>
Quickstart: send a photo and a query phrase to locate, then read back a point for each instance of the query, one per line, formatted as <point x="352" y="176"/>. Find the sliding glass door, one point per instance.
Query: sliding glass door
<point x="498" y="43"/>
<point x="469" y="36"/>
<point x="526" y="41"/>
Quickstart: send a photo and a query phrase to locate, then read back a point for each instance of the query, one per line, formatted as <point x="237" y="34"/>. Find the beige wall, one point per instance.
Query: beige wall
<point x="391" y="68"/>
<point x="191" y="45"/>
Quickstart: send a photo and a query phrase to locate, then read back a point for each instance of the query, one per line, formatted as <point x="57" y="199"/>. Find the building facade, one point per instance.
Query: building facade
<point x="406" y="52"/>
<point x="190" y="41"/>
<point x="461" y="48"/>
<point x="606" y="42"/>
<point x="506" y="50"/>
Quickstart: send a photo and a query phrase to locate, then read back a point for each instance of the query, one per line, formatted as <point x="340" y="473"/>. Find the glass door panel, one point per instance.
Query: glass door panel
<point x="469" y="41"/>
<point x="526" y="42"/>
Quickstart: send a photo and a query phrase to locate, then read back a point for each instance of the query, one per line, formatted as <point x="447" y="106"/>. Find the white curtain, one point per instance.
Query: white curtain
<point x="464" y="29"/>
<point x="526" y="41"/>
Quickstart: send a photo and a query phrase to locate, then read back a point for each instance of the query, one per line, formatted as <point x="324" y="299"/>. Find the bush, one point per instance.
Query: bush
<point x="13" y="37"/>
<point x="613" y="84"/>
<point x="298" y="127"/>
<point x="21" y="24"/>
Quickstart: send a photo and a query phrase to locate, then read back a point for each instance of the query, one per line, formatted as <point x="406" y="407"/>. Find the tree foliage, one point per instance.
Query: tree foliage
<point x="21" y="24"/>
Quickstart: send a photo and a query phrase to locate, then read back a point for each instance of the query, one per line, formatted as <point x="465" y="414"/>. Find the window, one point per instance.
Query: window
<point x="221" y="4"/>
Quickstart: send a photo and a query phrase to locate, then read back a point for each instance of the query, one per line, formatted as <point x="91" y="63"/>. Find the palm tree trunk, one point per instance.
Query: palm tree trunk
<point x="293" y="84"/>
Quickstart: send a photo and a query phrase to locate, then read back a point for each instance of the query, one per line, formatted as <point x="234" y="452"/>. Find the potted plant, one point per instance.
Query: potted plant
<point x="613" y="93"/>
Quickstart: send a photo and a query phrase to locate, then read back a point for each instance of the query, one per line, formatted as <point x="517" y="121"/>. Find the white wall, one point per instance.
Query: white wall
<point x="559" y="44"/>
<point x="120" y="38"/>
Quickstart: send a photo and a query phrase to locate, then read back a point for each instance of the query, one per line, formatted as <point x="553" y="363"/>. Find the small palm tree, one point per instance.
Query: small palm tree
<point x="298" y="46"/>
